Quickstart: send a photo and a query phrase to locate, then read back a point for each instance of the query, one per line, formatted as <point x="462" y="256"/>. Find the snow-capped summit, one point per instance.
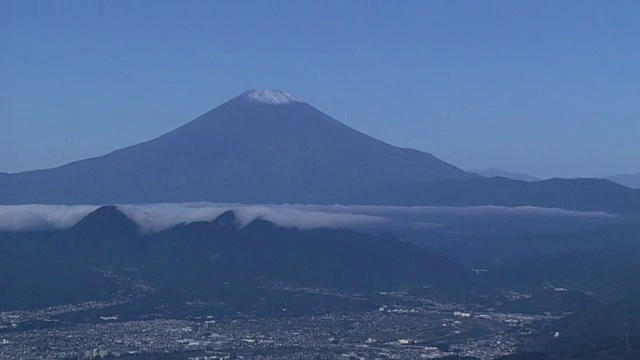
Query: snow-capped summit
<point x="270" y="97"/>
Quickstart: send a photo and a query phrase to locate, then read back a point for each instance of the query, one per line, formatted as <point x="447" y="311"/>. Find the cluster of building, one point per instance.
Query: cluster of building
<point x="402" y="327"/>
<point x="385" y="334"/>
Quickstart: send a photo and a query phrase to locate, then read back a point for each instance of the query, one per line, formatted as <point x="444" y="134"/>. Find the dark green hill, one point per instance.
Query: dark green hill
<point x="602" y="332"/>
<point x="211" y="259"/>
<point x="216" y="252"/>
<point x="601" y="260"/>
<point x="105" y="237"/>
<point x="33" y="274"/>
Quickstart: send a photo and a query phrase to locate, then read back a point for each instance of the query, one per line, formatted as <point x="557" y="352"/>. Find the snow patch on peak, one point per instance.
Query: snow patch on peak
<point x="270" y="97"/>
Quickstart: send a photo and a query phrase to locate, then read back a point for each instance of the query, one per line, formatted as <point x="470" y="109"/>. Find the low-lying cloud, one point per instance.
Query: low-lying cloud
<point x="16" y="218"/>
<point x="158" y="217"/>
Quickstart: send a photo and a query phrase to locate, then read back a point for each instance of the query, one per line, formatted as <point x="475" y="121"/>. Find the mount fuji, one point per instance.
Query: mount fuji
<point x="262" y="146"/>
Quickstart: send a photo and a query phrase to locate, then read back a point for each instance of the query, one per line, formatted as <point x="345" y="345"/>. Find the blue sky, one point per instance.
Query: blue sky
<point x="549" y="88"/>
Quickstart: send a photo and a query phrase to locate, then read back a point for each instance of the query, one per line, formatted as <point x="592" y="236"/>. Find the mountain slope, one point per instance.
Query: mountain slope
<point x="628" y="180"/>
<point x="251" y="149"/>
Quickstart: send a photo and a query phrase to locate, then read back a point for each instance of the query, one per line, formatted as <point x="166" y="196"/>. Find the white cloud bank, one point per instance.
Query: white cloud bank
<point x="158" y="217"/>
<point x="15" y="218"/>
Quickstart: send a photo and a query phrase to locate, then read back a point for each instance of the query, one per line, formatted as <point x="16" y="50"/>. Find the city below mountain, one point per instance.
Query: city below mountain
<point x="269" y="146"/>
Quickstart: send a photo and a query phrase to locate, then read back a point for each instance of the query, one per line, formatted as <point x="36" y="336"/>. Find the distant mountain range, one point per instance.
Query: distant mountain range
<point x="268" y="146"/>
<point x="491" y="172"/>
<point x="571" y="194"/>
<point x="628" y="180"/>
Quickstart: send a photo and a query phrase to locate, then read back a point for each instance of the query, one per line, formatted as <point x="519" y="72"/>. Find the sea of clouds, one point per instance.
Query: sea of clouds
<point x="158" y="217"/>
